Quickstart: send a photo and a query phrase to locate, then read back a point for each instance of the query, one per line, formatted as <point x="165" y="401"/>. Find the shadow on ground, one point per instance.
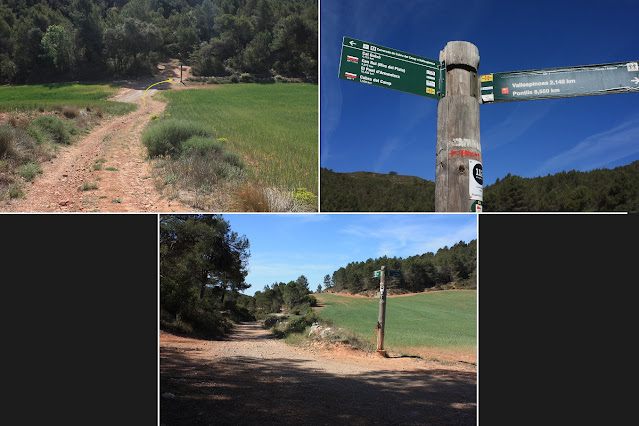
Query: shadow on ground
<point x="248" y="390"/>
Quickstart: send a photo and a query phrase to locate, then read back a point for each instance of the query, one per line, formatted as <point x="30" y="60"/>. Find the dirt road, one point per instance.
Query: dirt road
<point x="252" y="378"/>
<point x="123" y="181"/>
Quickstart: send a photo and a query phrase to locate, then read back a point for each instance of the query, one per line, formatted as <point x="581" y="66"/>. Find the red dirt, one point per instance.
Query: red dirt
<point x="253" y="378"/>
<point x="130" y="188"/>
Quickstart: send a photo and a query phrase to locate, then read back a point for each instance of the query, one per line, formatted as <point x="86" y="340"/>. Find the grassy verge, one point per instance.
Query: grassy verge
<point x="271" y="128"/>
<point x="49" y="97"/>
<point x="444" y="319"/>
<point x="35" y="120"/>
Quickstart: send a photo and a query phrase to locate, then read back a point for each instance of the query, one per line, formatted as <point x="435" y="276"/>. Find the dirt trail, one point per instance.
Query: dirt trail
<point x="252" y="378"/>
<point x="117" y="142"/>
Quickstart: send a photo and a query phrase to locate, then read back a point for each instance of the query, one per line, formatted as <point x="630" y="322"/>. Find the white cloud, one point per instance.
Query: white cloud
<point x="598" y="150"/>
<point x="514" y="126"/>
<point x="413" y="234"/>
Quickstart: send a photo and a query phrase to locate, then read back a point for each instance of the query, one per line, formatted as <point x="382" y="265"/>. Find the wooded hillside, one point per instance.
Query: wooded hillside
<point x="88" y="40"/>
<point x="375" y="192"/>
<point x="601" y="190"/>
<point x="453" y="267"/>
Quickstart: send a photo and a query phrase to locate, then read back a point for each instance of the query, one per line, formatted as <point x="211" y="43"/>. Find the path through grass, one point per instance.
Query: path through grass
<point x="56" y="95"/>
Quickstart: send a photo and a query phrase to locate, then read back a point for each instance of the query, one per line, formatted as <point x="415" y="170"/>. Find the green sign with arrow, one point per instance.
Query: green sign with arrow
<point x="380" y="66"/>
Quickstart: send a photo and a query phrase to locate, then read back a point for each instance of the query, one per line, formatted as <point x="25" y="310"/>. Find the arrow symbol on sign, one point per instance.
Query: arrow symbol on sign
<point x="352" y="43"/>
<point x="635" y="80"/>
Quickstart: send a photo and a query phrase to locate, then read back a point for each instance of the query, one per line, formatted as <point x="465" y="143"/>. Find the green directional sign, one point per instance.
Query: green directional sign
<point x="380" y="66"/>
<point x="377" y="274"/>
<point x="586" y="80"/>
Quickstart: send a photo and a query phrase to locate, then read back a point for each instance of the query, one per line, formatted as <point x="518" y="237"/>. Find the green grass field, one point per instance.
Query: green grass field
<point x="55" y="95"/>
<point x="272" y="126"/>
<point x="438" y="319"/>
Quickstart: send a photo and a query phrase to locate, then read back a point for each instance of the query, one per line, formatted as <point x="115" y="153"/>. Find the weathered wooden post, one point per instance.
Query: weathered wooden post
<point x="381" y="319"/>
<point x="458" y="144"/>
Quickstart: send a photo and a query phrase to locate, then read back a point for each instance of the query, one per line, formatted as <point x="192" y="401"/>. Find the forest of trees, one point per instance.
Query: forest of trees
<point x="453" y="267"/>
<point x="601" y="190"/>
<point x="294" y="296"/>
<point x="202" y="270"/>
<point x="375" y="192"/>
<point x="89" y="40"/>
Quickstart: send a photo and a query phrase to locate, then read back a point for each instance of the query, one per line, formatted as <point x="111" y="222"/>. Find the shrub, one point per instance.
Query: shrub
<point x="29" y="171"/>
<point x="88" y="186"/>
<point x="214" y="149"/>
<point x="22" y="123"/>
<point x="5" y="141"/>
<point x="37" y="134"/>
<point x="17" y="143"/>
<point x="201" y="145"/>
<point x="70" y="111"/>
<point x="165" y="136"/>
<point x="15" y="191"/>
<point x="303" y="196"/>
<point x="298" y="325"/>
<point x="204" y="162"/>
<point x="246" y="78"/>
<point x="58" y="130"/>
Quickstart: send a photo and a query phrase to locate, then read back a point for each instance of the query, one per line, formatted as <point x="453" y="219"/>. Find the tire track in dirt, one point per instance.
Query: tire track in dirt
<point x="116" y="144"/>
<point x="252" y="378"/>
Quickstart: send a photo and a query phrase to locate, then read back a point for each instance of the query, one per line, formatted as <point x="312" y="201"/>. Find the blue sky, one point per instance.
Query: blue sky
<point x="366" y="128"/>
<point x="283" y="247"/>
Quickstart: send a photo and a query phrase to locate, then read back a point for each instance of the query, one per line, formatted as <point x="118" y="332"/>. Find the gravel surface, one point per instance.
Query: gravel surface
<point x="253" y="378"/>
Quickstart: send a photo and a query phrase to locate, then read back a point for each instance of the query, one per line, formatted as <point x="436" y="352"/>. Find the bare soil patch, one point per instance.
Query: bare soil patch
<point x="253" y="378"/>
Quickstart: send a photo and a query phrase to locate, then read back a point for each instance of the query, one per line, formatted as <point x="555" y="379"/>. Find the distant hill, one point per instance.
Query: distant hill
<point x="601" y="190"/>
<point x="375" y="192"/>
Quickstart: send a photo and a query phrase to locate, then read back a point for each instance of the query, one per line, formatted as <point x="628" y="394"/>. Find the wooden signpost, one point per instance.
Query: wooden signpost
<point x="381" y="317"/>
<point x="454" y="82"/>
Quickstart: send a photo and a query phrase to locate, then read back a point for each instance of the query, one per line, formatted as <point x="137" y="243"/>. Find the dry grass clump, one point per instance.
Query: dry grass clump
<point x="70" y="112"/>
<point x="269" y="199"/>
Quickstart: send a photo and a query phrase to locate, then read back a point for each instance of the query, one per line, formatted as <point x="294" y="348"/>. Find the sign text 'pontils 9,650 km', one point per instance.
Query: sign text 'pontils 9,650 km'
<point x="586" y="80"/>
<point x="376" y="65"/>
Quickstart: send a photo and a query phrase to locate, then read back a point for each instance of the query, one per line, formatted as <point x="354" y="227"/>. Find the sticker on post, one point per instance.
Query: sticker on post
<point x="475" y="180"/>
<point x="488" y="98"/>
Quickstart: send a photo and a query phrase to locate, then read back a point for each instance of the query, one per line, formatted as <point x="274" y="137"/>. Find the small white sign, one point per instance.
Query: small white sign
<point x="488" y="98"/>
<point x="632" y="66"/>
<point x="475" y="180"/>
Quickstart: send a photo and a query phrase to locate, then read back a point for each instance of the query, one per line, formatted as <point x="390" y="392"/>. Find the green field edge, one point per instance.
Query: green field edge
<point x="270" y="174"/>
<point x="324" y="301"/>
